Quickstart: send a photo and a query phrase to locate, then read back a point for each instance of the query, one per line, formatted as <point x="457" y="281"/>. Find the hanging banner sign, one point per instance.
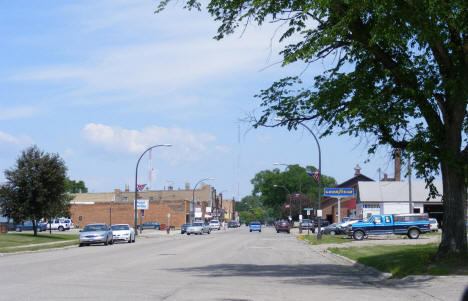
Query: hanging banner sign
<point x="143" y="204"/>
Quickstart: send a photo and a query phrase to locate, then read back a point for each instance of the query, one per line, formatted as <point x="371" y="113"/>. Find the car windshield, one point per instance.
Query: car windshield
<point x="120" y="227"/>
<point x="255" y="223"/>
<point x="89" y="228"/>
<point x="198" y="224"/>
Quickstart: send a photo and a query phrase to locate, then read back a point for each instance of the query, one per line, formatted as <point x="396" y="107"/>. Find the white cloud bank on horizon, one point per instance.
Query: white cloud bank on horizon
<point x="10" y="113"/>
<point x="186" y="145"/>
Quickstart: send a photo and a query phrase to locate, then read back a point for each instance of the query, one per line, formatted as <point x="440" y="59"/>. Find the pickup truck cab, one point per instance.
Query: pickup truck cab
<point x="402" y="224"/>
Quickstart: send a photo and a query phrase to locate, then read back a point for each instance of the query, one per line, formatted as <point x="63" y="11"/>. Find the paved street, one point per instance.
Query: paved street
<point x="232" y="265"/>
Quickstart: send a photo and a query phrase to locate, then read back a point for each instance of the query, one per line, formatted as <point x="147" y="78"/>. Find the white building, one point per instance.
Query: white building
<point x="392" y="197"/>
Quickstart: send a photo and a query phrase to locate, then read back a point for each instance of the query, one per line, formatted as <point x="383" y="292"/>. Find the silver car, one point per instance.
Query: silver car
<point x="96" y="234"/>
<point x="123" y="232"/>
<point x="198" y="228"/>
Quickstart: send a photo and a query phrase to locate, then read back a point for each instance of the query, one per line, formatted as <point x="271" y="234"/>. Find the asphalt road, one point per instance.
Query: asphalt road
<point x="233" y="265"/>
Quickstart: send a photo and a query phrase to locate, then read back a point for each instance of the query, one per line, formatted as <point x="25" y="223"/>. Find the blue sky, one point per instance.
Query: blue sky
<point x="99" y="81"/>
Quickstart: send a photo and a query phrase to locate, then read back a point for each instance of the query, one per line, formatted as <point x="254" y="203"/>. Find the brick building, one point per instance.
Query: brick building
<point x="118" y="206"/>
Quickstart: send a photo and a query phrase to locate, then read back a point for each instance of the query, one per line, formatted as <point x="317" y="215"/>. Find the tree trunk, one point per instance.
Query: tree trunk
<point x="454" y="240"/>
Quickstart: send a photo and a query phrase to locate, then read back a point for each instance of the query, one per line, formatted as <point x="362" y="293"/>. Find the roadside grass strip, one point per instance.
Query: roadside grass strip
<point x="405" y="260"/>
<point x="326" y="239"/>
<point x="23" y="241"/>
<point x="39" y="247"/>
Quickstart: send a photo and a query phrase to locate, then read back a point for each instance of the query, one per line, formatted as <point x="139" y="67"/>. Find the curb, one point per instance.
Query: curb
<point x="379" y="274"/>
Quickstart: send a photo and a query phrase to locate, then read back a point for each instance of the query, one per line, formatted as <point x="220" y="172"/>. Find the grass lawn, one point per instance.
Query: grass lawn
<point x="10" y="240"/>
<point x="404" y="260"/>
<point x="326" y="239"/>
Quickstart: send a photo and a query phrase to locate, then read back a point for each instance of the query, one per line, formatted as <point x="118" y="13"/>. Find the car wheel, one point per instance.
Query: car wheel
<point x="188" y="233"/>
<point x="250" y="230"/>
<point x="413" y="233"/>
<point x="289" y="231"/>
<point x="60" y="228"/>
<point x="332" y="232"/>
<point x="259" y="230"/>
<point x="277" y="231"/>
<point x="358" y="235"/>
<point x="209" y="231"/>
<point x="106" y="242"/>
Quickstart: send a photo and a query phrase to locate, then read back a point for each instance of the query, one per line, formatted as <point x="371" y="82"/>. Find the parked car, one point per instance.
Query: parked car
<point x="123" y="232"/>
<point x="28" y="225"/>
<point x="332" y="229"/>
<point x="215" y="224"/>
<point x="283" y="225"/>
<point x="60" y="224"/>
<point x="306" y="224"/>
<point x="151" y="225"/>
<point x="255" y="226"/>
<point x="96" y="234"/>
<point x="183" y="229"/>
<point x="434" y="225"/>
<point x="344" y="227"/>
<point x="323" y="222"/>
<point x="407" y="224"/>
<point x="198" y="228"/>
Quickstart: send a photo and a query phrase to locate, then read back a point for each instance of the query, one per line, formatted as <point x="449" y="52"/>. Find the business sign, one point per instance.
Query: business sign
<point x="143" y="204"/>
<point x="208" y="209"/>
<point x="198" y="214"/>
<point x="338" y="192"/>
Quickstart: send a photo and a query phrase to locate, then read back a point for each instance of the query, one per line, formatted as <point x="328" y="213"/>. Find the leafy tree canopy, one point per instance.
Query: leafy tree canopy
<point x="399" y="75"/>
<point x="76" y="187"/>
<point x="35" y="188"/>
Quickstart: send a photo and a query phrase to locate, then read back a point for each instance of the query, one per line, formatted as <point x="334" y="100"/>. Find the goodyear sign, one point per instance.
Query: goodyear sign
<point x="338" y="192"/>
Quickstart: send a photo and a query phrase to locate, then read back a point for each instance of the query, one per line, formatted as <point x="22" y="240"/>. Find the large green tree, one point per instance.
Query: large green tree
<point x="399" y="74"/>
<point x="35" y="187"/>
<point x="294" y="187"/>
<point x="76" y="187"/>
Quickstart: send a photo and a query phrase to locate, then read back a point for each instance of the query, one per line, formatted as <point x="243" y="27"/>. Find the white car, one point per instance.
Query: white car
<point x="198" y="228"/>
<point x="123" y="232"/>
<point x="215" y="225"/>
<point x="434" y="225"/>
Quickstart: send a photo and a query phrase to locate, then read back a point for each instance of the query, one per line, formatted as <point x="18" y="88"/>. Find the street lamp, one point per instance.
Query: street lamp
<point x="136" y="181"/>
<point x="192" y="210"/>
<point x="319" y="235"/>
<point x="289" y="194"/>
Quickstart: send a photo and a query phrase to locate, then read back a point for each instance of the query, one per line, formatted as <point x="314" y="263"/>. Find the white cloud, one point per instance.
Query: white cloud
<point x="9" y="140"/>
<point x="264" y="139"/>
<point x="187" y="145"/>
<point x="17" y="112"/>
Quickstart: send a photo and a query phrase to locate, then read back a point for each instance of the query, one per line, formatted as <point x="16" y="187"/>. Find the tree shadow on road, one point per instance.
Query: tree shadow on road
<point x="304" y="274"/>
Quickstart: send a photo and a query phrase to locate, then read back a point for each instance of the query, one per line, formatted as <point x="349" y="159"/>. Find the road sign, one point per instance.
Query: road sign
<point x="308" y="212"/>
<point x="143" y="204"/>
<point x="338" y="192"/>
<point x="309" y="209"/>
<point x="319" y="212"/>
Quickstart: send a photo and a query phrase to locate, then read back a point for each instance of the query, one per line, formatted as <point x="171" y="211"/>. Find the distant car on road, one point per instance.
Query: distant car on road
<point x="96" y="234"/>
<point x="198" y="228"/>
<point x="233" y="225"/>
<point x="60" y="224"/>
<point x="28" y="225"/>
<point x="183" y="229"/>
<point x="255" y="226"/>
<point x="151" y="225"/>
<point x="215" y="225"/>
<point x="123" y="232"/>
<point x="307" y="224"/>
<point x="283" y="226"/>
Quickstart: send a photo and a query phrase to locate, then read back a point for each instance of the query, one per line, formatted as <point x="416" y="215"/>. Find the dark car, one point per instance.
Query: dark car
<point x="324" y="222"/>
<point x="183" y="229"/>
<point x="283" y="225"/>
<point x="232" y="225"/>
<point x="151" y="225"/>
<point x="332" y="229"/>
<point x="28" y="225"/>
<point x="307" y="224"/>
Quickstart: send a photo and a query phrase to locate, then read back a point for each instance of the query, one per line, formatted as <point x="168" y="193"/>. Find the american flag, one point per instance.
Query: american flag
<point x="140" y="187"/>
<point x="315" y="174"/>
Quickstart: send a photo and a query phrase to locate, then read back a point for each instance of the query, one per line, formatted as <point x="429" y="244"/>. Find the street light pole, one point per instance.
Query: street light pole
<point x="192" y="210"/>
<point x="319" y="235"/>
<point x="136" y="182"/>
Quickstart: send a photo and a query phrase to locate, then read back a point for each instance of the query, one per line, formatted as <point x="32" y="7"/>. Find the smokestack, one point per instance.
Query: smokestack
<point x="187" y="186"/>
<point x="357" y="170"/>
<point x="397" y="165"/>
<point x="127" y="188"/>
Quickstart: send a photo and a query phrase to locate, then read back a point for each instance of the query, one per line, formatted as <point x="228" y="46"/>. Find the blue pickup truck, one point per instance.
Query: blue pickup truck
<point x="401" y="224"/>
